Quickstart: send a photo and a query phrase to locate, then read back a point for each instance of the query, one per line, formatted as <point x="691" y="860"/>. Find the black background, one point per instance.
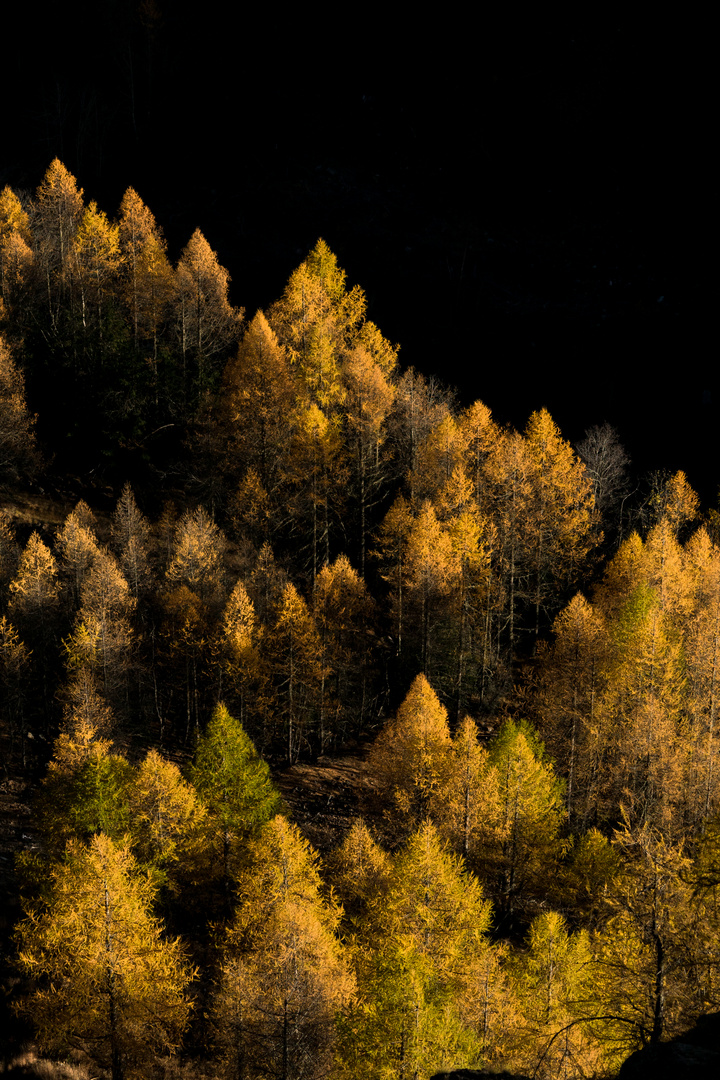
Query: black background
<point x="526" y="204"/>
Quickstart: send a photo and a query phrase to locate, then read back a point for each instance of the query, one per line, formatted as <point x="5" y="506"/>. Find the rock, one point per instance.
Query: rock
<point x="694" y="1055"/>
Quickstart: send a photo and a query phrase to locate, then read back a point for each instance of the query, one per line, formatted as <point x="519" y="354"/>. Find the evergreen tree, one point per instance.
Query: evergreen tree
<point x="234" y="785"/>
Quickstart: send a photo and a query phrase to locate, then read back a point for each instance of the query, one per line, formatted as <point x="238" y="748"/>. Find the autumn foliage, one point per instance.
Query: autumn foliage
<point x="327" y="554"/>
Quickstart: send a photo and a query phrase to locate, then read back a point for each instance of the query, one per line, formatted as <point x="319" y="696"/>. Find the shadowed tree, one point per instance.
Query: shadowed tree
<point x="606" y="464"/>
<point x="367" y="404"/>
<point x="344" y="616"/>
<point x="131" y="534"/>
<point x="293" y="654"/>
<point x="18" y="452"/>
<point x="206" y="322"/>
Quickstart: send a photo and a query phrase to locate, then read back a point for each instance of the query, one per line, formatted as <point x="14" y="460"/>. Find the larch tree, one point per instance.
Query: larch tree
<point x="315" y="478"/>
<point x="107" y="981"/>
<point x="431" y="569"/>
<point x="238" y="646"/>
<point x="642" y="711"/>
<point x="296" y="673"/>
<point x="409" y="758"/>
<point x="553" y="981"/>
<point x="14" y="669"/>
<point x="423" y="948"/>
<point x="18" y="452"/>
<point x="103" y="631"/>
<point x="284" y="978"/>
<point x="391" y="552"/>
<point x="96" y="257"/>
<point x="531" y="813"/>
<point x="15" y="252"/>
<point x="419" y="405"/>
<point x="559" y="511"/>
<point x="570" y="683"/>
<point x="473" y="538"/>
<point x="647" y="973"/>
<point x="344" y="615"/>
<point x="606" y="464"/>
<point x="78" y="548"/>
<point x="197" y="554"/>
<point x="9" y="554"/>
<point x="58" y="210"/>
<point x="466" y="809"/>
<point x="33" y="604"/>
<point x="360" y="871"/>
<point x="147" y="274"/>
<point x="479" y="432"/>
<point x="233" y="783"/>
<point x="440" y="452"/>
<point x="317" y="319"/>
<point x="167" y="816"/>
<point x="131" y="536"/>
<point x="507" y="472"/>
<point x="673" y="498"/>
<point x="368" y="402"/>
<point x="206" y="322"/>
<point x="34" y="589"/>
<point x="260" y="393"/>
<point x="702" y="656"/>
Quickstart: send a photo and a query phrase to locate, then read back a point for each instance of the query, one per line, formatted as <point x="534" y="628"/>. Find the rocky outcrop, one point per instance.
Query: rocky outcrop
<point x="694" y="1055"/>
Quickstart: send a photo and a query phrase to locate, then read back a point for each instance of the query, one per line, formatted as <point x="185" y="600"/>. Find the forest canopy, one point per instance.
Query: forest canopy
<point x="299" y="552"/>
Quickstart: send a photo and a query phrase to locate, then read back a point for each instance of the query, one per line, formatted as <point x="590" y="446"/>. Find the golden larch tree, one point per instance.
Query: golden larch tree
<point x="107" y="980"/>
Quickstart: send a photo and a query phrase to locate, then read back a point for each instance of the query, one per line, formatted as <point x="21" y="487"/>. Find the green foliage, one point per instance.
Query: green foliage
<point x="233" y="783"/>
<point x="421" y="951"/>
<point x="531" y="813"/>
<point x="91" y="798"/>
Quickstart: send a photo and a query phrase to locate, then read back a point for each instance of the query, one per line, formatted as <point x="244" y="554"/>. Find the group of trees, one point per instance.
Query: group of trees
<point x="383" y="960"/>
<point x="351" y="557"/>
<point x="113" y="336"/>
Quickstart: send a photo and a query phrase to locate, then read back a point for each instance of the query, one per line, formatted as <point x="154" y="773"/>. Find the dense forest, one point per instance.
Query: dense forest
<point x="284" y="547"/>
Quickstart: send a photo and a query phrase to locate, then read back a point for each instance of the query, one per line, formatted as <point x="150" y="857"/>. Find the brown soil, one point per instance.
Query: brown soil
<point x="324" y="797"/>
